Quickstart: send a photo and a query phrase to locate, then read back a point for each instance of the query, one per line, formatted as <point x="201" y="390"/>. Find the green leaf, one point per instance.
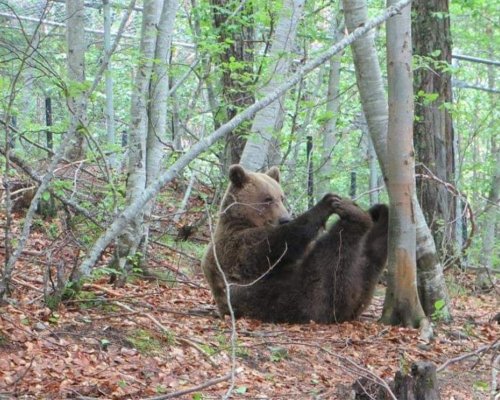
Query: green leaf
<point x="46" y="196"/>
<point x="241" y="390"/>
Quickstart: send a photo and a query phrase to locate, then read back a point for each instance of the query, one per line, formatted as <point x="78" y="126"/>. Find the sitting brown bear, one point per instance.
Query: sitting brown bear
<point x="276" y="270"/>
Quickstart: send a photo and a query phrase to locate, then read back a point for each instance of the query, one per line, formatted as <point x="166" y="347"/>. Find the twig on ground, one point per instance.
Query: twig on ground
<point x="20" y="377"/>
<point x="476" y="353"/>
<point x="26" y="284"/>
<point x="165" y="330"/>
<point x="179" y="393"/>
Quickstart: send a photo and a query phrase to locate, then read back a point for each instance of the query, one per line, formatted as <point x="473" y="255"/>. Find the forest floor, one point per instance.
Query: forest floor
<point x="154" y="339"/>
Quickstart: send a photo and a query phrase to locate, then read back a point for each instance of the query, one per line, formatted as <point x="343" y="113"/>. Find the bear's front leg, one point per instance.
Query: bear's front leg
<point x="347" y="210"/>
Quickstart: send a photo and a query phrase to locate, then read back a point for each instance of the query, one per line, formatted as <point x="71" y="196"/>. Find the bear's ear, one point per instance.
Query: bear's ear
<point x="238" y="175"/>
<point x="274" y="173"/>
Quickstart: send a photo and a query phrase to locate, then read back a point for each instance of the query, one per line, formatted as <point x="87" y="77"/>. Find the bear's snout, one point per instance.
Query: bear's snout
<point x="284" y="220"/>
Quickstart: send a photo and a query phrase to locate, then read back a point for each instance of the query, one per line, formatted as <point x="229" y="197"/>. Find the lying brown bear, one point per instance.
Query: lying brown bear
<point x="278" y="269"/>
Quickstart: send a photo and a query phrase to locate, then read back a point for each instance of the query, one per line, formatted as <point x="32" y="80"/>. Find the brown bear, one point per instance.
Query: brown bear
<point x="277" y="270"/>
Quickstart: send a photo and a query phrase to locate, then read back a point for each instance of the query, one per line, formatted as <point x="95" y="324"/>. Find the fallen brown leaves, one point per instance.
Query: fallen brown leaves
<point x="103" y="350"/>
<point x="148" y="339"/>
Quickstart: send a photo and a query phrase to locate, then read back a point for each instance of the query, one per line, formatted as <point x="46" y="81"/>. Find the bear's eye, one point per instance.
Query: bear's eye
<point x="268" y="199"/>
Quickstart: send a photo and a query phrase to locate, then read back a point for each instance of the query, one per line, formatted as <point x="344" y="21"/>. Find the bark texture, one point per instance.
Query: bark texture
<point x="490" y="228"/>
<point x="256" y="151"/>
<point x="325" y="170"/>
<point x="401" y="305"/>
<point x="131" y="236"/>
<point x="432" y="286"/>
<point x="433" y="137"/>
<point x="235" y="32"/>
<point x="77" y="98"/>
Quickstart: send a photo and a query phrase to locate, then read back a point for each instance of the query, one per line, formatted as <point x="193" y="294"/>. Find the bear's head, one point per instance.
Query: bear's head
<point x="255" y="198"/>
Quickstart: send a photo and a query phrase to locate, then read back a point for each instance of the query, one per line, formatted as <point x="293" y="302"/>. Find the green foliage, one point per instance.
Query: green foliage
<point x="3" y="339"/>
<point x="104" y="343"/>
<point x="439" y="310"/>
<point x="278" y="354"/>
<point x="53" y="301"/>
<point x="144" y="341"/>
<point x="240" y="390"/>
<point x="481" y="386"/>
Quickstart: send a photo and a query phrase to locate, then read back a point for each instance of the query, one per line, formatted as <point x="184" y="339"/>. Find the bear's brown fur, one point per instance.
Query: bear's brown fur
<point x="275" y="269"/>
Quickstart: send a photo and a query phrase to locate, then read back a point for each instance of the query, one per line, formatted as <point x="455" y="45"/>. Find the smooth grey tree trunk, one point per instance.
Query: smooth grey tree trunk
<point x="401" y="305"/>
<point x="158" y="101"/>
<point x="325" y="170"/>
<point x="489" y="230"/>
<point x="256" y="151"/>
<point x="431" y="283"/>
<point x="109" y="105"/>
<point x="374" y="176"/>
<point x="77" y="98"/>
<point x="132" y="234"/>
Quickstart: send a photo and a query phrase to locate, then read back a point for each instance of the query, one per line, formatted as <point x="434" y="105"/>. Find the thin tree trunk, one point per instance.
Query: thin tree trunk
<point x="133" y="233"/>
<point x="401" y="305"/>
<point x="325" y="170"/>
<point x="431" y="283"/>
<point x="256" y="151"/>
<point x="77" y="98"/>
<point x="374" y="176"/>
<point x="109" y="107"/>
<point x="483" y="279"/>
<point x="48" y="122"/>
<point x="130" y="212"/>
<point x="158" y="98"/>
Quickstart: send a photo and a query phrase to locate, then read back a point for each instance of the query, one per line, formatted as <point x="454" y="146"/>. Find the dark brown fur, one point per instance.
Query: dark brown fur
<point x="271" y="276"/>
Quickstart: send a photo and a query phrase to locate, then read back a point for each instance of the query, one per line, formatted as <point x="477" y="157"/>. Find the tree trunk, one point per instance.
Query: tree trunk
<point x="434" y="143"/>
<point x="374" y="176"/>
<point x="236" y="62"/>
<point x="401" y="305"/>
<point x="77" y="98"/>
<point x="157" y="106"/>
<point x="483" y="279"/>
<point x="48" y="122"/>
<point x="255" y="153"/>
<point x="325" y="170"/>
<point x="432" y="286"/>
<point x="420" y="384"/>
<point x="133" y="233"/>
<point x="109" y="106"/>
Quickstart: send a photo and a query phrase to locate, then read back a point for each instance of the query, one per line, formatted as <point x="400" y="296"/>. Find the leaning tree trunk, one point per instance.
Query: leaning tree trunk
<point x="133" y="233"/>
<point x="434" y="142"/>
<point x="256" y="151"/>
<point x="431" y="283"/>
<point x="77" y="98"/>
<point x="401" y="305"/>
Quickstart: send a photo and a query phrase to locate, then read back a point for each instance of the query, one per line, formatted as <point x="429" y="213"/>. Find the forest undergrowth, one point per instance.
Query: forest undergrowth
<point x="156" y="338"/>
